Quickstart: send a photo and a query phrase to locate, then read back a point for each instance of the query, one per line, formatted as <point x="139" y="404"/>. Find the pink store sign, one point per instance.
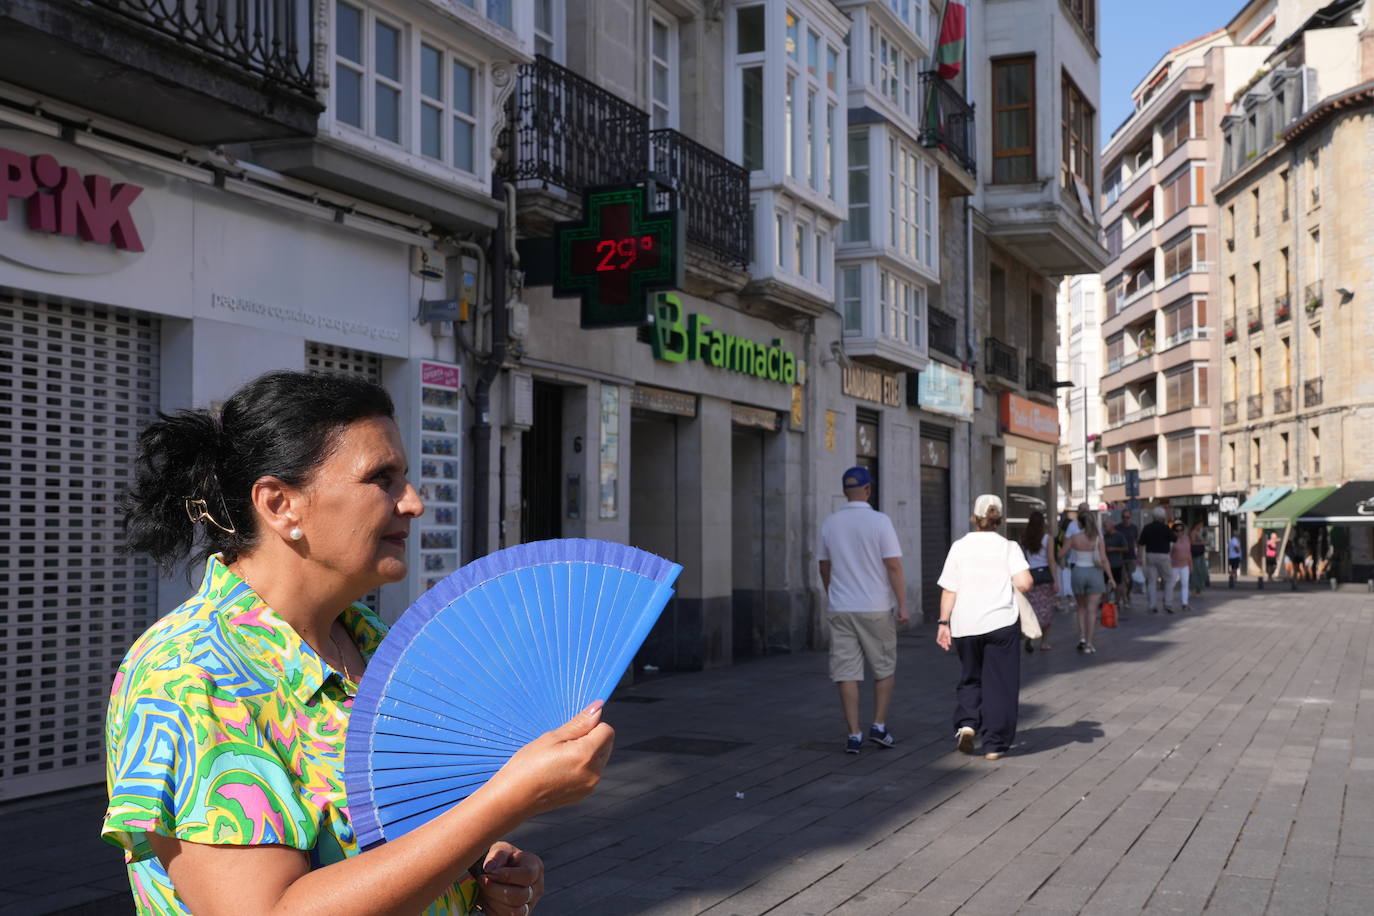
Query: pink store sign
<point x="440" y="375"/>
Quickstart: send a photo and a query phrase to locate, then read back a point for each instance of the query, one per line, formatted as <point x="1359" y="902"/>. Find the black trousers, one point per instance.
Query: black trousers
<point x="986" y="699"/>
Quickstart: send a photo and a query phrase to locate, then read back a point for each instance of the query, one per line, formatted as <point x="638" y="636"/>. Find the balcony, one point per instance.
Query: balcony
<point x="202" y="72"/>
<point x="1039" y="376"/>
<point x="712" y="191"/>
<point x="1229" y="330"/>
<point x="1283" y="399"/>
<point x="1254" y="407"/>
<point x="943" y="332"/>
<point x="1312" y="299"/>
<point x="1140" y="413"/>
<point x="1283" y="308"/>
<point x="1002" y="360"/>
<point x="1254" y="320"/>
<point x="1312" y="393"/>
<point x="564" y="131"/>
<point x="948" y="122"/>
<point x="1230" y="413"/>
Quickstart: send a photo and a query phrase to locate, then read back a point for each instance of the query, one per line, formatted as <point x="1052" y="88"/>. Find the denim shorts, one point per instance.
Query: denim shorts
<point x="1088" y="580"/>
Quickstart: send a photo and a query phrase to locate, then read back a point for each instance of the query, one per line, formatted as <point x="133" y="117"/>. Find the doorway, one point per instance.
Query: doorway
<point x="747" y="533"/>
<point x="541" y="467"/>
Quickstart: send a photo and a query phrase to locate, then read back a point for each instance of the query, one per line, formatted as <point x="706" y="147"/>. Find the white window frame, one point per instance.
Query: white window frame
<point x="668" y="107"/>
<point x="901" y="305"/>
<point x="911" y="232"/>
<point x="852" y="301"/>
<point x="867" y="205"/>
<point x="367" y="70"/>
<point x="553" y="37"/>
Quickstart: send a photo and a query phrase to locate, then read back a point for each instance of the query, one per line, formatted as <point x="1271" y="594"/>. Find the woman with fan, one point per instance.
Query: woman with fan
<point x="227" y="719"/>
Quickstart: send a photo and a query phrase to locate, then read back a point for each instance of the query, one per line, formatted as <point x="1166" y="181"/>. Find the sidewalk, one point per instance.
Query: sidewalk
<point x="1208" y="761"/>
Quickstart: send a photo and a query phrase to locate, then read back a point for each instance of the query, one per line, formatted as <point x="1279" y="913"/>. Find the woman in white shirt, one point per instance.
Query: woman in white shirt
<point x="978" y="617"/>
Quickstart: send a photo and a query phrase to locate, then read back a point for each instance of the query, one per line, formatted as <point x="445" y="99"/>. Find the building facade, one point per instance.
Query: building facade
<point x="1078" y="352"/>
<point x="1296" y="387"/>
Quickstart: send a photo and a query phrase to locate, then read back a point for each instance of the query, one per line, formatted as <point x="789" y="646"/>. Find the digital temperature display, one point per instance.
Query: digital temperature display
<point x="618" y="255"/>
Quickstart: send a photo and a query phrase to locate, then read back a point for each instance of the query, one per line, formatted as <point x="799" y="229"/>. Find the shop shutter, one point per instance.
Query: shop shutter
<point x="936" y="534"/>
<point x="77" y="385"/>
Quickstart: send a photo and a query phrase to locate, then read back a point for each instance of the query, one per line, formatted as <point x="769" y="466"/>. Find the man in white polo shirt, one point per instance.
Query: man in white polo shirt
<point x="861" y="570"/>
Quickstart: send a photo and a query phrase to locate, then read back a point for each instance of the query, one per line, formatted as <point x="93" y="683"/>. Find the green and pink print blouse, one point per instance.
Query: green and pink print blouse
<point x="226" y="728"/>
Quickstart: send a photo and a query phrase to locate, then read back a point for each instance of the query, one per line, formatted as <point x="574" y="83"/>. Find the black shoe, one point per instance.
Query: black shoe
<point x="1168" y="610"/>
<point x="1030" y="647"/>
<point x="1082" y="644"/>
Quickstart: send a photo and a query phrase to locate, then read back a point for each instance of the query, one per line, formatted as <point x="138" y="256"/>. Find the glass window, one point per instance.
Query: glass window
<point x="752" y="90"/>
<point x="545" y="41"/>
<point x="793" y="27"/>
<point x="348" y="69"/>
<point x="856" y="228"/>
<point x="387" y="88"/>
<point x="498" y="11"/>
<point x="1013" y="119"/>
<point x="749" y="29"/>
<point x="663" y="55"/>
<point x="789" y="122"/>
<point x="1077" y="153"/>
<point x="851" y="299"/>
<point x="431" y="102"/>
<point x="813" y="53"/>
<point x="464" y="117"/>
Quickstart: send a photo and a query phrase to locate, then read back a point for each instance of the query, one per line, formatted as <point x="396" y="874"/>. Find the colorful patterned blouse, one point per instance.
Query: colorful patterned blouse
<point x="226" y="728"/>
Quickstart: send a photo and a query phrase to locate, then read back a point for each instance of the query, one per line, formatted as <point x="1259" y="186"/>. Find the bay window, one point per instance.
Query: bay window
<point x="902" y="304"/>
<point x="856" y="229"/>
<point x="1013" y="119"/>
<point x="1189" y="454"/>
<point x="1185" y="387"/>
<point x="1184" y="320"/>
<point x="1184" y="254"/>
<point x="1077" y="140"/>
<point x="911" y="189"/>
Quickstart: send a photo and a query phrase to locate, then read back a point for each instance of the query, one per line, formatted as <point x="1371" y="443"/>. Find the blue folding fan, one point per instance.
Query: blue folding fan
<point x="505" y="649"/>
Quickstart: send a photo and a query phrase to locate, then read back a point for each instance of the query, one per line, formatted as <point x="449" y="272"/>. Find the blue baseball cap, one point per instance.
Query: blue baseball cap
<point x="857" y="477"/>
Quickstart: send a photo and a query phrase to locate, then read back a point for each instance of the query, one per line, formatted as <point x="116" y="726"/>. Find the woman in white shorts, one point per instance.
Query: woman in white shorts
<point x="1087" y="560"/>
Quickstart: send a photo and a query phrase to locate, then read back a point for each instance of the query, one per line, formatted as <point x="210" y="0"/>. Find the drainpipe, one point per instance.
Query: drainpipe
<point x="970" y="334"/>
<point x="501" y="249"/>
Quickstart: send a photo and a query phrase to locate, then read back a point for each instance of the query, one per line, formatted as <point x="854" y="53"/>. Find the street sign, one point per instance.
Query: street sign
<point x="618" y="255"/>
<point x="1229" y="504"/>
<point x="1132" y="484"/>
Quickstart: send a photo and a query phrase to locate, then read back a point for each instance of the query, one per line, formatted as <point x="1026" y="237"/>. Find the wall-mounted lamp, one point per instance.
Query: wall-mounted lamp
<point x="837" y="355"/>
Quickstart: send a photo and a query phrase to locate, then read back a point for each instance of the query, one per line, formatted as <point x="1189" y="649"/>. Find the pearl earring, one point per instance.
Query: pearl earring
<point x="297" y="534"/>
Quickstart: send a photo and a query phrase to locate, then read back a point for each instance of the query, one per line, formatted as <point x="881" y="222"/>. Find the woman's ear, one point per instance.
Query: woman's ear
<point x="277" y="505"/>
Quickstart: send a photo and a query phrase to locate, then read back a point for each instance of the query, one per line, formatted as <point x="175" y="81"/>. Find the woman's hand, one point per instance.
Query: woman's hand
<point x="942" y="637"/>
<point x="511" y="881"/>
<point x="557" y="768"/>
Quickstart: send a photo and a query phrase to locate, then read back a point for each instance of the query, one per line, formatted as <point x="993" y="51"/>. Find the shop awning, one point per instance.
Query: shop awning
<point x="1263" y="498"/>
<point x="1351" y="504"/>
<point x="1292" y="506"/>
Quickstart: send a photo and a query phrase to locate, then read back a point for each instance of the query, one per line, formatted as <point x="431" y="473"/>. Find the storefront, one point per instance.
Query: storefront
<point x="1031" y="432"/>
<point x="126" y="289"/>
<point x="945" y="397"/>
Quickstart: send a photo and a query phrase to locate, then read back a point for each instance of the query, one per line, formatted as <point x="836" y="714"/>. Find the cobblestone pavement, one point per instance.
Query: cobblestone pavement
<point x="1220" y="761"/>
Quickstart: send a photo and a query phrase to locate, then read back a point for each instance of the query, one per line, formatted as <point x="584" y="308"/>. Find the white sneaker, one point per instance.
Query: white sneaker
<point x="963" y="740"/>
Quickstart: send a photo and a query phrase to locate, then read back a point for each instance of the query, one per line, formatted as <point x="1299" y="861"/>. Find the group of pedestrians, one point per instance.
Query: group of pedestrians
<point x="983" y="581"/>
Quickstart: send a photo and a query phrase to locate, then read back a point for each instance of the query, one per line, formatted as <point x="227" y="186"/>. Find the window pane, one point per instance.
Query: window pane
<point x="388" y="52"/>
<point x="430" y="81"/>
<point x="853" y="304"/>
<point x="498" y="11"/>
<point x="752" y="84"/>
<point x="1013" y="129"/>
<point x="1012" y="84"/>
<point x="348" y="33"/>
<point x="543" y="15"/>
<point x="793" y="45"/>
<point x="462" y="88"/>
<point x="832" y="65"/>
<point x="749" y="30"/>
<point x="431" y="121"/>
<point x="348" y="95"/>
<point x="1012" y="168"/>
<point x="462" y="145"/>
<point x="813" y="54"/>
<point x="388" y="125"/>
<point x="659" y="33"/>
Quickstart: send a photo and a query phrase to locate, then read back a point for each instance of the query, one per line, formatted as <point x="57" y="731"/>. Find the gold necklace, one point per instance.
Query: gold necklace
<point x="343" y="661"/>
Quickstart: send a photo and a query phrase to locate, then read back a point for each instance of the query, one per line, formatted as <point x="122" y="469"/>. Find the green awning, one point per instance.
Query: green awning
<point x="1291" y="506"/>
<point x="1263" y="498"/>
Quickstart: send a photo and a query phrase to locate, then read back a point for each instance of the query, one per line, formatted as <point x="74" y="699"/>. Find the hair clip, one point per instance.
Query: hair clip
<point x="197" y="510"/>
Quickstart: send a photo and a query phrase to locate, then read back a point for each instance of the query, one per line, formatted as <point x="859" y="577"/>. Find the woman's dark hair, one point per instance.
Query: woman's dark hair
<point x="282" y="425"/>
<point x="1034" y="534"/>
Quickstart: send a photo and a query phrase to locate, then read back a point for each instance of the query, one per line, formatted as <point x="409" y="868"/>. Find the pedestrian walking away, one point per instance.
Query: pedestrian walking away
<point x="1180" y="566"/>
<point x="226" y="724"/>
<point x="1086" y="557"/>
<point x="1197" y="543"/>
<point x="1036" y="546"/>
<point x="1118" y="548"/>
<point x="1234" y="552"/>
<point x="1155" y="543"/>
<point x="1271" y="555"/>
<point x="979" y="620"/>
<point x="1129" y="531"/>
<point x="861" y="572"/>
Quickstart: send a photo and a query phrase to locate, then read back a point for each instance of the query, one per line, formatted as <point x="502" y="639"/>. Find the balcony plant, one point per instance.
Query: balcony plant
<point x="1230" y="333"/>
<point x="1146" y="344"/>
<point x="1313" y="303"/>
<point x="1281" y="311"/>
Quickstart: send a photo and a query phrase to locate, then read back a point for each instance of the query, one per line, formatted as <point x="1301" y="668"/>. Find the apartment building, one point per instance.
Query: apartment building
<point x="1078" y="308"/>
<point x="1293" y="194"/>
<point x="1160" y="346"/>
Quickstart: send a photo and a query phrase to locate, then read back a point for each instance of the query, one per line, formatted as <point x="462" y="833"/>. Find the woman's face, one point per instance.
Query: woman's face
<point x="358" y="506"/>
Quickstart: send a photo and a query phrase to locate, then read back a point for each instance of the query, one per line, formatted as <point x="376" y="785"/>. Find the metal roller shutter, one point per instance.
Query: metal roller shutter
<point x="77" y="385"/>
<point x="935" y="522"/>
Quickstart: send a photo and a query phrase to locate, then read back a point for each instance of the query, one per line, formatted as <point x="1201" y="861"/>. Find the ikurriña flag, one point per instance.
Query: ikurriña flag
<point x="949" y="50"/>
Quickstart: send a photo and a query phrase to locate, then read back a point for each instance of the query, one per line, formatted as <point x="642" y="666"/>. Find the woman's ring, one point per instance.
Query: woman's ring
<point x="529" y="895"/>
<point x="524" y="909"/>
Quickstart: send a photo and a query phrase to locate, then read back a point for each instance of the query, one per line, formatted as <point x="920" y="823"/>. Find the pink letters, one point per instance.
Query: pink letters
<point x="63" y="202"/>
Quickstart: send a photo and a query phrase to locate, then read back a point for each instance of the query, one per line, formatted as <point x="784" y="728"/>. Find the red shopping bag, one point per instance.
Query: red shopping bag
<point x="1108" y="614"/>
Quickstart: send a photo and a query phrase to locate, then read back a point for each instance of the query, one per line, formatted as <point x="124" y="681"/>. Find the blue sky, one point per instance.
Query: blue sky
<point x="1136" y="35"/>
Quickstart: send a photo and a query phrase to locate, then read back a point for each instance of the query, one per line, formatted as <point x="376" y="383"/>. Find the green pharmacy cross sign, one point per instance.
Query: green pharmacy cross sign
<point x="618" y="255"/>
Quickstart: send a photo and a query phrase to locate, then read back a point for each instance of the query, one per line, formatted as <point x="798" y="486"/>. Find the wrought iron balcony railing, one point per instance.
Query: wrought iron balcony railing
<point x="564" y="131"/>
<point x="1312" y="392"/>
<point x="1230" y="412"/>
<point x="1002" y="360"/>
<point x="1254" y="406"/>
<point x="944" y="332"/>
<point x="1283" y="399"/>
<point x="1254" y="320"/>
<point x="712" y="191"/>
<point x="1283" y="308"/>
<point x="270" y="38"/>
<point x="948" y="121"/>
<point x="1039" y="376"/>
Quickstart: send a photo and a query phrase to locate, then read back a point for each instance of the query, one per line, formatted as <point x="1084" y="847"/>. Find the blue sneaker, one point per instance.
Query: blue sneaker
<point x="881" y="736"/>
<point x="853" y="744"/>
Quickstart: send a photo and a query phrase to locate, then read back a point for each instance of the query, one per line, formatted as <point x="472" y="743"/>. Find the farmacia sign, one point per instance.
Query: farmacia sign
<point x="675" y="342"/>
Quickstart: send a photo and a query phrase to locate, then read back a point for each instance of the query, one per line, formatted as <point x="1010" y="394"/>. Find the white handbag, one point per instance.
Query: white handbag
<point x="1030" y="624"/>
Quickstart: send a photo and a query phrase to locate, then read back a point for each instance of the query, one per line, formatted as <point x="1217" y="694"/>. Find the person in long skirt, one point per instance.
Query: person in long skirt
<point x="979" y="620"/>
<point x="1044" y="594"/>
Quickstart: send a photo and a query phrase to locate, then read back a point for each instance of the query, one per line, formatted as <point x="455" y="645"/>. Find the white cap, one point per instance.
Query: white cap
<point x="985" y="504"/>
